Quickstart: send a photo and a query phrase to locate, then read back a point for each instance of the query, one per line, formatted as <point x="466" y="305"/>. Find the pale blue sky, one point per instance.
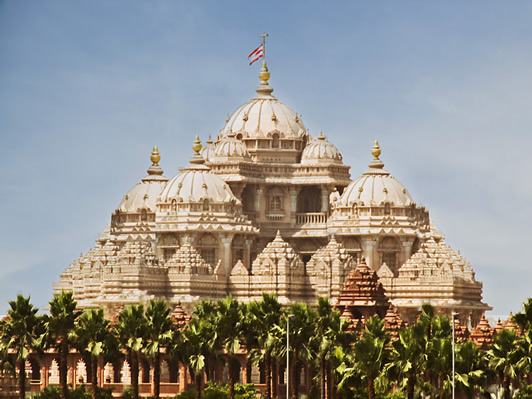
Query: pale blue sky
<point x="88" y="87"/>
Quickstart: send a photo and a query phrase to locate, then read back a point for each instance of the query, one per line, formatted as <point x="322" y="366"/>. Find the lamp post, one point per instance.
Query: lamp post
<point x="288" y="318"/>
<point x="453" y="314"/>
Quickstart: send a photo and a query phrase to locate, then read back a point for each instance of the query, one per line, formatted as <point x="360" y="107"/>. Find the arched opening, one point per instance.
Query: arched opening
<point x="389" y="252"/>
<point x="34" y="370"/>
<point x="145" y="370"/>
<point x="238" y="247"/>
<point x="309" y="200"/>
<point x="352" y="246"/>
<point x="275" y="140"/>
<point x="275" y="198"/>
<point x="248" y="199"/>
<point x="207" y="246"/>
<point x="415" y="246"/>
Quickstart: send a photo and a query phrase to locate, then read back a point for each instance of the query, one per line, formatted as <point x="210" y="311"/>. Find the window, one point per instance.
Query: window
<point x="275" y="203"/>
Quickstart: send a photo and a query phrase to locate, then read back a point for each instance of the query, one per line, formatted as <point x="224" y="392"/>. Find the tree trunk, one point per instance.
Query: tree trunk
<point x="63" y="367"/>
<point x="268" y="372"/>
<point x="94" y="375"/>
<point x="22" y="378"/>
<point x="323" y="383"/>
<point x="295" y="379"/>
<point x="135" y="374"/>
<point x="410" y="386"/>
<point x="198" y="385"/>
<point x="506" y="386"/>
<point x="371" y="388"/>
<point x="157" y="375"/>
<point x="231" y="377"/>
<point x="275" y="376"/>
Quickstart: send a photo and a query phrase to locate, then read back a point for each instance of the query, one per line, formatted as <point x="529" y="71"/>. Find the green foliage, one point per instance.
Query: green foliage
<point x="78" y="393"/>
<point x="188" y="394"/>
<point x="524" y="393"/>
<point x="218" y="391"/>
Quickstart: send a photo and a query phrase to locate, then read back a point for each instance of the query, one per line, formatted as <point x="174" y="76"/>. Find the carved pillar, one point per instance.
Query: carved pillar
<point x="226" y="241"/>
<point x="247" y="254"/>
<point x="369" y="249"/>
<point x="407" y="251"/>
<point x="258" y="199"/>
<point x="324" y="199"/>
<point x="294" y="191"/>
<point x="44" y="373"/>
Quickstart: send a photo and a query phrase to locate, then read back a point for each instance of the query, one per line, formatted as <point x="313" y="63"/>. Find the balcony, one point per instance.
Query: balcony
<point x="311" y="218"/>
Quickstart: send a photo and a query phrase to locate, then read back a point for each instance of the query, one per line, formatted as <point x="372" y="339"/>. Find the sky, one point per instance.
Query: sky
<point x="87" y="88"/>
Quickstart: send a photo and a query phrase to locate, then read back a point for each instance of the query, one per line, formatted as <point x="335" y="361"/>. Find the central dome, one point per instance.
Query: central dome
<point x="264" y="116"/>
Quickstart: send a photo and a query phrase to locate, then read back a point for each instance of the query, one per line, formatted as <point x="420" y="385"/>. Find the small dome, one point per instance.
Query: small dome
<point x="196" y="183"/>
<point x="145" y="193"/>
<point x="320" y="150"/>
<point x="376" y="187"/>
<point x="230" y="149"/>
<point x="264" y="116"/>
<point x="207" y="152"/>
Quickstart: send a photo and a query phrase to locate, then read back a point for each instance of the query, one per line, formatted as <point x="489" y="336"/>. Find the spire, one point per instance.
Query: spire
<point x="197" y="162"/>
<point x="376" y="166"/>
<point x="155" y="172"/>
<point x="264" y="75"/>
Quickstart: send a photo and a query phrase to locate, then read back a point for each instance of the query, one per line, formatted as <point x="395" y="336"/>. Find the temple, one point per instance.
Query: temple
<point x="267" y="207"/>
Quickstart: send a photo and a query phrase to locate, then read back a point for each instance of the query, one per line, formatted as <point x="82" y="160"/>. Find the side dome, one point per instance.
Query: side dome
<point x="376" y="187"/>
<point x="145" y="193"/>
<point x="196" y="183"/>
<point x="320" y="150"/>
<point x="230" y="149"/>
<point x="207" y="152"/>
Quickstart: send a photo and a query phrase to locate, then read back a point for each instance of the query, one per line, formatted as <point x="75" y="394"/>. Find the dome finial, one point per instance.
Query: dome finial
<point x="376" y="151"/>
<point x="264" y="75"/>
<point x="196" y="147"/>
<point x="155" y="156"/>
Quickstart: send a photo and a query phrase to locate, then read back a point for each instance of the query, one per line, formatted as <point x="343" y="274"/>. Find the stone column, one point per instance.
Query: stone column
<point x="294" y="191"/>
<point x="324" y="199"/>
<point x="226" y="241"/>
<point x="369" y="248"/>
<point x="406" y="253"/>
<point x="258" y="200"/>
<point x="247" y="254"/>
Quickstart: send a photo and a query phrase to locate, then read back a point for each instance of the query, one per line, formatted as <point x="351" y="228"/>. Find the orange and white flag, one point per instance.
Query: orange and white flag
<point x="256" y="54"/>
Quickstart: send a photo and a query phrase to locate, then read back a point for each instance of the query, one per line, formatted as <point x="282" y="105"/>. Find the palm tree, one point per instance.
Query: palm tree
<point x="470" y="367"/>
<point x="407" y="358"/>
<point x="159" y="332"/>
<point x="302" y="339"/>
<point x="372" y="353"/>
<point x="524" y="318"/>
<point x="60" y="326"/>
<point x="131" y="331"/>
<point x="193" y="348"/>
<point x="20" y="335"/>
<point x="503" y="358"/>
<point x="228" y="319"/>
<point x="93" y="336"/>
<point x="331" y="332"/>
<point x="260" y="317"/>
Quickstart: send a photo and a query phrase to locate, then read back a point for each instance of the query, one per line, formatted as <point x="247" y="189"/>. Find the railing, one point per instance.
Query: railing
<point x="311" y="218"/>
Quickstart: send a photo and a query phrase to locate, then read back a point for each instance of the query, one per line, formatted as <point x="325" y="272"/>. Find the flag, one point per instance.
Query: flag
<point x="256" y="54"/>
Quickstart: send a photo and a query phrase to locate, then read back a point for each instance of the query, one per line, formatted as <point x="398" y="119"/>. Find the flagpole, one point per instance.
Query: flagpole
<point x="264" y="36"/>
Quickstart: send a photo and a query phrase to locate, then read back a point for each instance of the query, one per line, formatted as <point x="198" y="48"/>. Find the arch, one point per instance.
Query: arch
<point x="81" y="372"/>
<point x="144" y="371"/>
<point x="207" y="246"/>
<point x="275" y="197"/>
<point x="238" y="246"/>
<point x="33" y="369"/>
<point x="165" y="371"/>
<point x="309" y="200"/>
<point x="388" y="252"/>
<point x="415" y="246"/>
<point x="53" y="372"/>
<point x="143" y="215"/>
<point x="125" y="373"/>
<point x="275" y="140"/>
<point x="108" y="373"/>
<point x="205" y="205"/>
<point x="248" y="199"/>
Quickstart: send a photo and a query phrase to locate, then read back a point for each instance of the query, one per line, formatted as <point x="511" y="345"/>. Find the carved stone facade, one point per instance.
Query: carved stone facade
<point x="266" y="207"/>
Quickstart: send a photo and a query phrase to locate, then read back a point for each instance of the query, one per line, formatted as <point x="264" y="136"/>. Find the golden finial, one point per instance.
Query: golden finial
<point x="197" y="145"/>
<point x="376" y="151"/>
<point x="264" y="75"/>
<point x="155" y="156"/>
